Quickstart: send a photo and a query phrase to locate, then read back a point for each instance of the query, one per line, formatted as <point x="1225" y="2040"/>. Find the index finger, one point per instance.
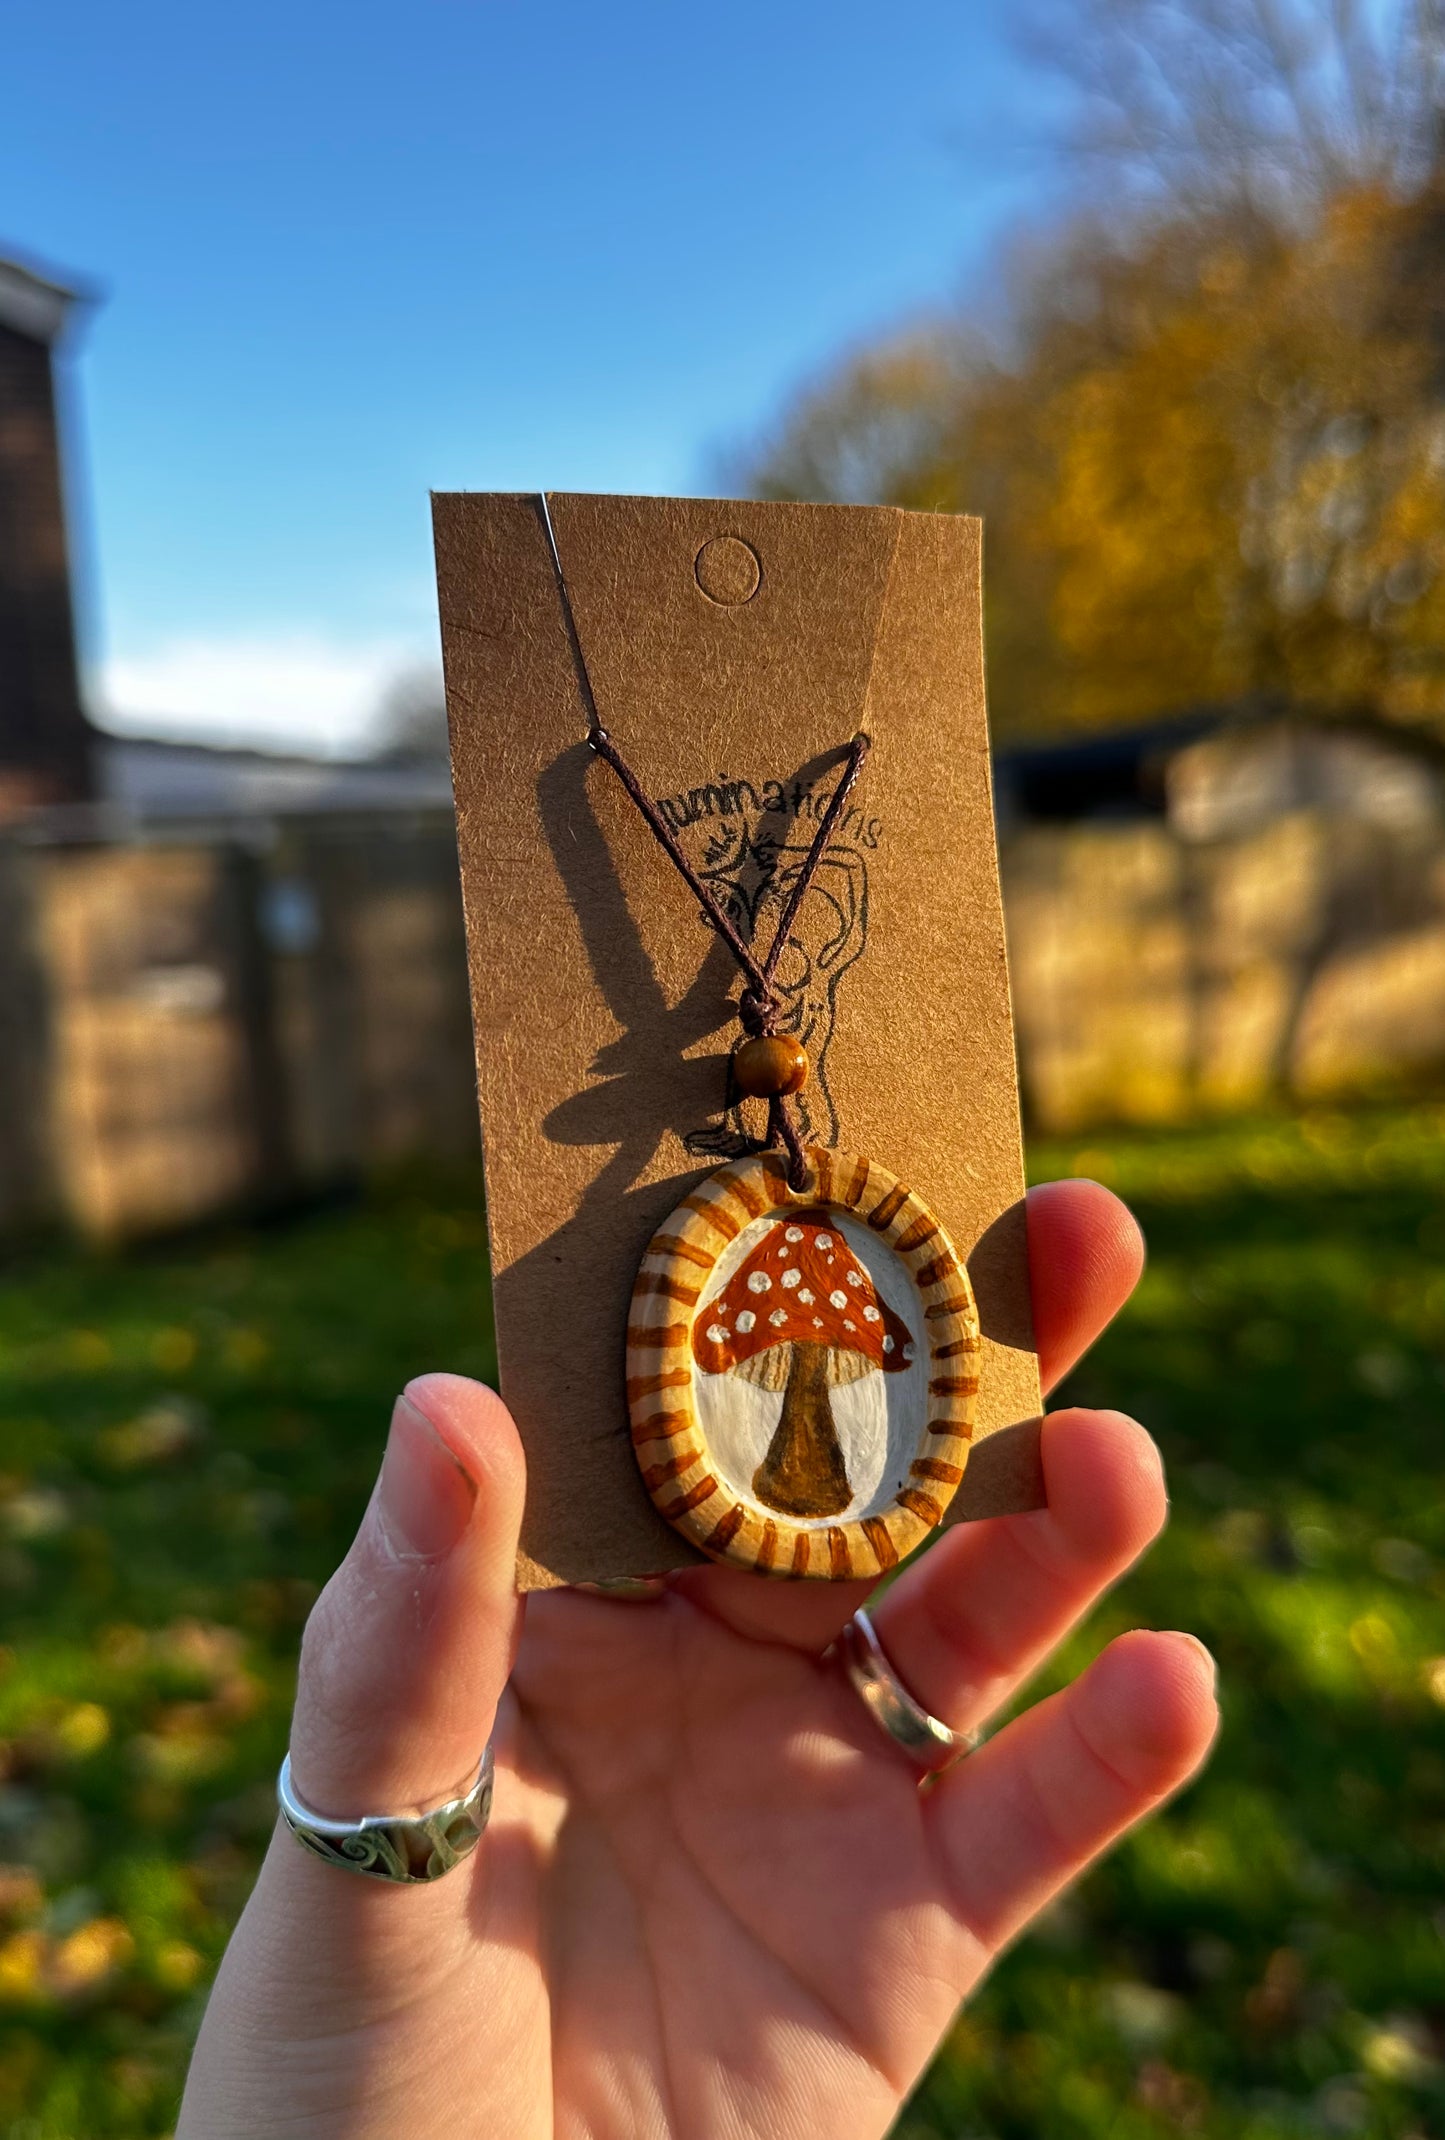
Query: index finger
<point x="1086" y="1254"/>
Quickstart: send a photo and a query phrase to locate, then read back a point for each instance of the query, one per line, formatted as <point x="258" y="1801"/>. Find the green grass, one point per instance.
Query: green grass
<point x="187" y="1438"/>
<point x="1269" y="1958"/>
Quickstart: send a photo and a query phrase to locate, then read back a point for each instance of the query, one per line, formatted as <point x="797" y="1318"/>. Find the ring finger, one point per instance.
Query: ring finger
<point x="969" y="1624"/>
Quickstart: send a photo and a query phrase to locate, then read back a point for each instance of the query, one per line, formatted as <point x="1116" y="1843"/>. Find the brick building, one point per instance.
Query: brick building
<point x="44" y="735"/>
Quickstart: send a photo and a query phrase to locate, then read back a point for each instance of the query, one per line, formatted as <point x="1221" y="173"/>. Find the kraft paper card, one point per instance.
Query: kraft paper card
<point x="733" y="650"/>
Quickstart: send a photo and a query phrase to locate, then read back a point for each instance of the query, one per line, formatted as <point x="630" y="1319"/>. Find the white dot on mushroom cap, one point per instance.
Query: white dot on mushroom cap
<point x="778" y="1317"/>
<point x="817" y="1322"/>
<point x="825" y="1240"/>
<point x="747" y="1319"/>
<point x="759" y="1282"/>
<point x="855" y="1278"/>
<point x="871" y="1315"/>
<point x="849" y="1324"/>
<point x="887" y="1342"/>
<point x="805" y="1298"/>
<point x="908" y="1352"/>
<point x="718" y="1333"/>
<point x="837" y="1299"/>
<point x="792" y="1278"/>
<point x="794" y="1233"/>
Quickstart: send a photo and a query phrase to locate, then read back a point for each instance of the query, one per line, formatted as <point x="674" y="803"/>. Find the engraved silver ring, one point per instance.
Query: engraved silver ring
<point x="408" y="1848"/>
<point x="928" y="1742"/>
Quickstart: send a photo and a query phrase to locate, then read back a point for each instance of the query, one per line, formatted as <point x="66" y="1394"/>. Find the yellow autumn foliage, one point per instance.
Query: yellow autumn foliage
<point x="1212" y="469"/>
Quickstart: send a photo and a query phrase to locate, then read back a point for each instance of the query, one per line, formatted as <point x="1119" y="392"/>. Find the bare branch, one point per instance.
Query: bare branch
<point x="1269" y="105"/>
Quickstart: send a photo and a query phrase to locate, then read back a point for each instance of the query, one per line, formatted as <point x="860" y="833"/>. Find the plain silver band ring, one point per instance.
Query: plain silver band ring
<point x="929" y="1744"/>
<point x="407" y="1848"/>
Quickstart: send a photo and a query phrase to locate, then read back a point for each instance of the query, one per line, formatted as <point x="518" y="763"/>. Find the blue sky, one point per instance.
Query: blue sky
<point x="349" y="254"/>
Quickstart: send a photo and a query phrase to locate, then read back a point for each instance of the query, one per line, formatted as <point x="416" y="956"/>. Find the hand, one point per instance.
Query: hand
<point x="712" y="1902"/>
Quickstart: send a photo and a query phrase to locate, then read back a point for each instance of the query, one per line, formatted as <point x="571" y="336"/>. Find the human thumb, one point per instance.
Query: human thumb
<point x="409" y="1645"/>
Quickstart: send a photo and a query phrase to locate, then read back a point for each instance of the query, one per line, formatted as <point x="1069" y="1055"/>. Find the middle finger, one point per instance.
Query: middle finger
<point x="969" y="1623"/>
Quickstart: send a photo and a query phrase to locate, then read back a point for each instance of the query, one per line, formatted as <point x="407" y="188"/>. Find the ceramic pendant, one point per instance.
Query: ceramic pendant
<point x="802" y="1368"/>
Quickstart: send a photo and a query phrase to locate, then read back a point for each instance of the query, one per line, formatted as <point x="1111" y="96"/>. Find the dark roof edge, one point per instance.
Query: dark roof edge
<point x="1144" y="739"/>
<point x="35" y="304"/>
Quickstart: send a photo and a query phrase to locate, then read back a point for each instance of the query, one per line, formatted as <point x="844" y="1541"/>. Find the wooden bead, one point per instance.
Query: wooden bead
<point x="764" y="1069"/>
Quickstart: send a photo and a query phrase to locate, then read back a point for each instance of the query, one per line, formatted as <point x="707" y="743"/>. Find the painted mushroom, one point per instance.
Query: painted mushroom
<point x="801" y="1315"/>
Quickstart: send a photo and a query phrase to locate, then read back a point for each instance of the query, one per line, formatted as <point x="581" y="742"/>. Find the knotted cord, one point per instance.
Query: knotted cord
<point x="759" y="1007"/>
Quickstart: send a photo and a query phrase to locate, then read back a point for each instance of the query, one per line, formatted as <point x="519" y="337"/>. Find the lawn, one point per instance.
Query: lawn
<point x="187" y="1437"/>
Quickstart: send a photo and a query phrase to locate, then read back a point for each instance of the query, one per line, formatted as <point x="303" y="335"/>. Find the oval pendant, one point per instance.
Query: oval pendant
<point x="802" y="1368"/>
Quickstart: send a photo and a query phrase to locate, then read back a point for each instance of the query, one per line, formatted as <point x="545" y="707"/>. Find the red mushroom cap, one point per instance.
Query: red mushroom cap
<point x="802" y="1284"/>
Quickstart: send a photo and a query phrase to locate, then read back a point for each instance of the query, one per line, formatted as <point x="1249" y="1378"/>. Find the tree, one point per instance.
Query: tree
<point x="1273" y="107"/>
<point x="1235" y="488"/>
<point x="1209" y="446"/>
<point x="410" y="722"/>
<point x="883" y="426"/>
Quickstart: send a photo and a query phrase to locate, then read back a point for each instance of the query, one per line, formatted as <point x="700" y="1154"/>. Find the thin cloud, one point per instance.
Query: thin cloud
<point x="301" y="693"/>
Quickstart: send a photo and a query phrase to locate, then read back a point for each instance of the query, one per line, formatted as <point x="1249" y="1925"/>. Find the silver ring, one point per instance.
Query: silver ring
<point x="408" y="1848"/>
<point x="928" y="1742"/>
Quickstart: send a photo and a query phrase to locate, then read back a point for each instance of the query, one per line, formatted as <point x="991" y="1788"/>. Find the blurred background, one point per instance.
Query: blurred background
<point x="1156" y="286"/>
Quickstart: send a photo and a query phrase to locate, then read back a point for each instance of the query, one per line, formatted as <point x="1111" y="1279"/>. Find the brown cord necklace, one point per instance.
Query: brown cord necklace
<point x="768" y="1066"/>
<point x="802" y="1342"/>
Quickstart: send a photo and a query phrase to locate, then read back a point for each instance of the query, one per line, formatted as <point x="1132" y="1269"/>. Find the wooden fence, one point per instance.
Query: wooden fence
<point x="232" y="1018"/>
<point x="1158" y="978"/>
<point x="192" y="1025"/>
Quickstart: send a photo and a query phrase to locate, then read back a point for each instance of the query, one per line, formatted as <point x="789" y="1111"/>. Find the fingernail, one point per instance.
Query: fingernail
<point x="1182" y="1634"/>
<point x="424" y="1498"/>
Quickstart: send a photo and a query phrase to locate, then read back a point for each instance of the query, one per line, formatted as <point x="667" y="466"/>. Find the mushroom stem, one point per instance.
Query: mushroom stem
<point x="803" y="1473"/>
